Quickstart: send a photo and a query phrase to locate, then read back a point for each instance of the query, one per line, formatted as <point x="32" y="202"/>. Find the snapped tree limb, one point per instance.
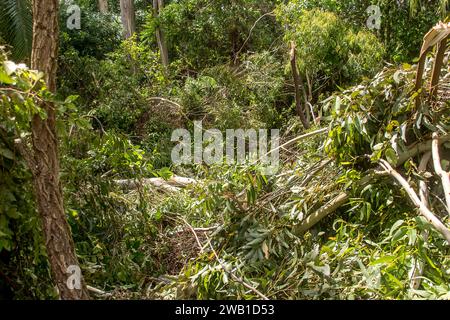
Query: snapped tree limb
<point x="420" y="147"/>
<point x="445" y="179"/>
<point x="172" y="185"/>
<point x="324" y="211"/>
<point x="343" y="197"/>
<point x="334" y="204"/>
<point x="430" y="216"/>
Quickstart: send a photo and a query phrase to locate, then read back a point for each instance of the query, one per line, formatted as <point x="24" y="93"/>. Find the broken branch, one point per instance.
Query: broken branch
<point x="437" y="224"/>
<point x="439" y="171"/>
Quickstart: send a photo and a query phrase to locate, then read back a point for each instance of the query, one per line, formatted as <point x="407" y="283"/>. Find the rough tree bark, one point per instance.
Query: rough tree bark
<point x="45" y="164"/>
<point x="160" y="38"/>
<point x="127" y="15"/>
<point x="103" y="6"/>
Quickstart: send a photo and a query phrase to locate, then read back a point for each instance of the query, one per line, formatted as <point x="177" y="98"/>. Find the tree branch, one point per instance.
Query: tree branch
<point x="440" y="172"/>
<point x="418" y="266"/>
<point x="419" y="148"/>
<point x="297" y="84"/>
<point x="324" y="211"/>
<point x="438" y="225"/>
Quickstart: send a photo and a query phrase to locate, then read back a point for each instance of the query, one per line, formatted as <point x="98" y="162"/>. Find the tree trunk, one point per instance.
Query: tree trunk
<point x="157" y="7"/>
<point x="297" y="85"/>
<point x="45" y="168"/>
<point x="128" y="18"/>
<point x="103" y="6"/>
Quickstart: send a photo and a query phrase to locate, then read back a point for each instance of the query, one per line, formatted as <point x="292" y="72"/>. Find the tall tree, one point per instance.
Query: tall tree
<point x="128" y="18"/>
<point x="158" y="5"/>
<point x="45" y="168"/>
<point x="103" y="6"/>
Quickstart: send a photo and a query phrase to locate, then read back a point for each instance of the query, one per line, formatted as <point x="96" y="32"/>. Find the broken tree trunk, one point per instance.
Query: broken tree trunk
<point x="158" y="5"/>
<point x="436" y="35"/>
<point x="438" y="63"/>
<point x="297" y="84"/>
<point x="445" y="178"/>
<point x="418" y="265"/>
<point x="172" y="185"/>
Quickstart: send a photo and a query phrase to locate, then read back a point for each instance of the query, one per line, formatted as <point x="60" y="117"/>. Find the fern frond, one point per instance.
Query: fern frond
<point x="16" y="26"/>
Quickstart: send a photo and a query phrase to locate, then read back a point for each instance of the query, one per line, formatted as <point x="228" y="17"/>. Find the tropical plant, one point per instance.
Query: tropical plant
<point x="16" y="27"/>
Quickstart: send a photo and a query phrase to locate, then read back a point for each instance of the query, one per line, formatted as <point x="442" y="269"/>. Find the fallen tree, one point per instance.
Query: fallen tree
<point x="172" y="185"/>
<point x="350" y="137"/>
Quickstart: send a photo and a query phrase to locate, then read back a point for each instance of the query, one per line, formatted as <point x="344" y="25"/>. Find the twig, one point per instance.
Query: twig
<point x="440" y="172"/>
<point x="193" y="232"/>
<point x="311" y="175"/>
<point x="166" y="100"/>
<point x="173" y="184"/>
<point x="98" y="291"/>
<point x="303" y="136"/>
<point x="249" y="35"/>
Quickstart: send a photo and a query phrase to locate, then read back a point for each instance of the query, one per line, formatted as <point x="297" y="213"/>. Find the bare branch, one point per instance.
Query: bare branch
<point x="315" y="217"/>
<point x="440" y="172"/>
<point x="173" y="184"/>
<point x="298" y="83"/>
<point x="98" y="291"/>
<point x="419" y="148"/>
<point x="438" y="225"/>
<point x="193" y="232"/>
<point x="423" y="190"/>
<point x="335" y="203"/>
<point x="301" y="137"/>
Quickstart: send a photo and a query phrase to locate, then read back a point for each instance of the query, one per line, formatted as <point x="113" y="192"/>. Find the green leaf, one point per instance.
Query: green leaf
<point x="12" y="213"/>
<point x="398" y="235"/>
<point x="36" y="75"/>
<point x="165" y="173"/>
<point x="406" y="66"/>
<point x="71" y="99"/>
<point x="391" y="156"/>
<point x="396" y="226"/>
<point x="7" y="153"/>
<point x="16" y="25"/>
<point x="412" y="234"/>
<point x="5" y="78"/>
<point x="385" y="259"/>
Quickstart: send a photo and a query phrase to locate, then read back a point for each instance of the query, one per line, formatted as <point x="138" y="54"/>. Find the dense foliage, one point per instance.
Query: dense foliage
<point x="233" y="233"/>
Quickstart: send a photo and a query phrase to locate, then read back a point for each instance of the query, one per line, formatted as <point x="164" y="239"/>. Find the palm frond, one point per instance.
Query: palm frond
<point x="16" y="26"/>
